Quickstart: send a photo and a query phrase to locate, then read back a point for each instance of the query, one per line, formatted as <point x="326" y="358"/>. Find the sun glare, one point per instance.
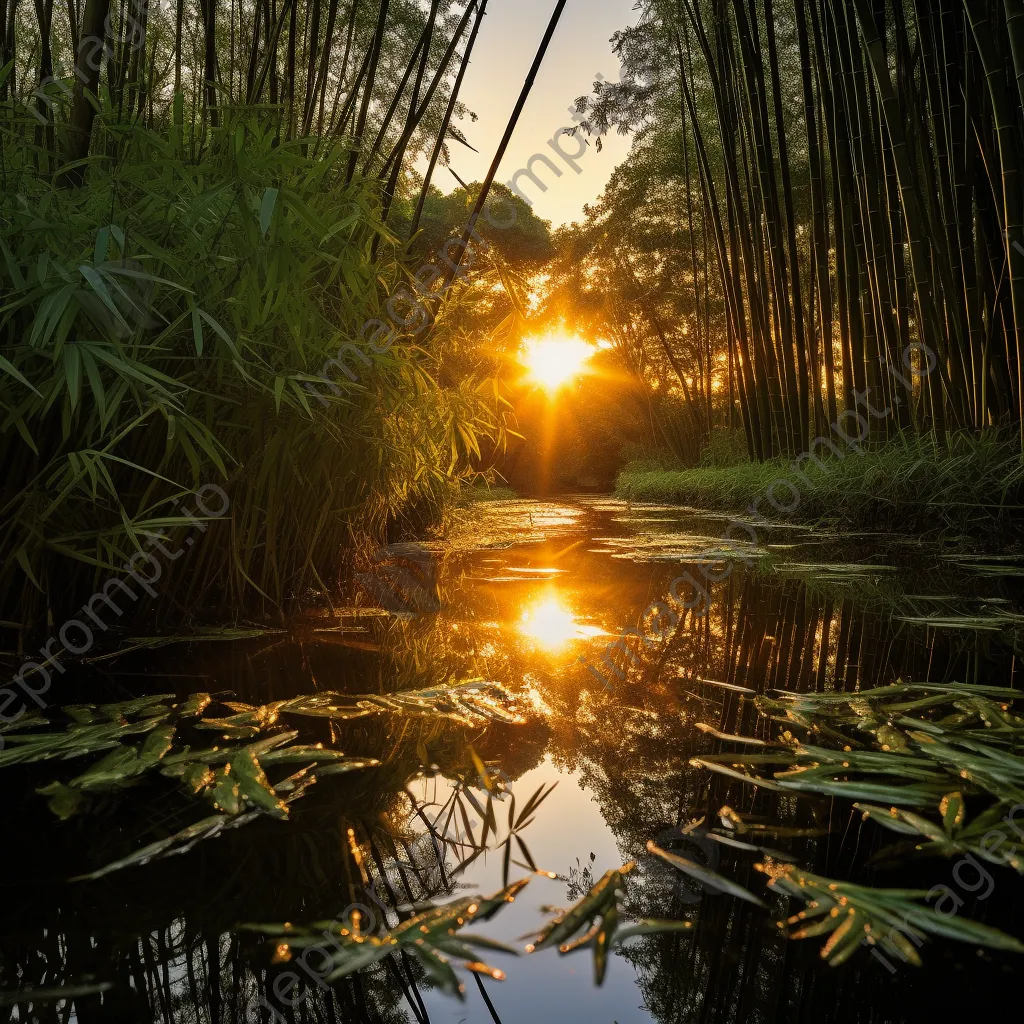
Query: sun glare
<point x="555" y="359"/>
<point x="551" y="625"/>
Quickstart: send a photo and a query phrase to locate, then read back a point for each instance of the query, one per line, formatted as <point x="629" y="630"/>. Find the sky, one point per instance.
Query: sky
<point x="505" y="49"/>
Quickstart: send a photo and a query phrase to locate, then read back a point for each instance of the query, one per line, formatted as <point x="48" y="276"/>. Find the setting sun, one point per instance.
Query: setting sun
<point x="555" y="359"/>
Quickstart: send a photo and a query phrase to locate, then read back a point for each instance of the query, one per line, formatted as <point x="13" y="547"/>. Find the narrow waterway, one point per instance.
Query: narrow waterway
<point x="534" y="596"/>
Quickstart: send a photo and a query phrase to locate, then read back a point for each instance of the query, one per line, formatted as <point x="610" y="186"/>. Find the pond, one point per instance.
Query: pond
<point x="579" y="757"/>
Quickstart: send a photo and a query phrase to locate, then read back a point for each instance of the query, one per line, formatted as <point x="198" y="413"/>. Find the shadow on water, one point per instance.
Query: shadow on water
<point x="533" y="596"/>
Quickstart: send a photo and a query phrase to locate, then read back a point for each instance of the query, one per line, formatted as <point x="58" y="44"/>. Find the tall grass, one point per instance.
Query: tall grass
<point x="973" y="485"/>
<point x="156" y="331"/>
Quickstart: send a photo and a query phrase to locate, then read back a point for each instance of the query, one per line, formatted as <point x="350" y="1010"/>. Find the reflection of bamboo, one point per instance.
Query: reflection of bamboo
<point x="490" y="1006"/>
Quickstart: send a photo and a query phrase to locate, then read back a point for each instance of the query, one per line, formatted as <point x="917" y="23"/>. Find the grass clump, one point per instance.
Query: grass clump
<point x="972" y="485"/>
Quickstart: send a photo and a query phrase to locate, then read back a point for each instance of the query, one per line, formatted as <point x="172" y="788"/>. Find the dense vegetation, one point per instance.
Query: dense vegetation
<point x="207" y="280"/>
<point x="209" y="224"/>
<point x="819" y="231"/>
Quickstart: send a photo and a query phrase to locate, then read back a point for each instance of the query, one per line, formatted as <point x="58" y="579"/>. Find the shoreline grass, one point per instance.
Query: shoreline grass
<point x="972" y="487"/>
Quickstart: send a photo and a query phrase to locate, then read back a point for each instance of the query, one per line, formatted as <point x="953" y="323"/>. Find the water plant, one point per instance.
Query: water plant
<point x="913" y="746"/>
<point x="597" y="915"/>
<point x="432" y="936"/>
<point x="856" y="915"/>
<point x="157" y="736"/>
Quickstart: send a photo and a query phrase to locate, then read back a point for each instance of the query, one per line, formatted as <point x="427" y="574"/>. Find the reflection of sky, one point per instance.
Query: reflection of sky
<point x="620" y="758"/>
<point x="546" y="987"/>
<point x="531" y="610"/>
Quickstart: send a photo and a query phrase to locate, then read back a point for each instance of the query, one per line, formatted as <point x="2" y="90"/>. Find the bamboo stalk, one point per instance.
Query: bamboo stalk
<point x="513" y="120"/>
<point x="453" y="100"/>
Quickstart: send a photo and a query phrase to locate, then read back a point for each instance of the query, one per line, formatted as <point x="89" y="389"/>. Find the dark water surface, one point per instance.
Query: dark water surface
<point x="531" y="596"/>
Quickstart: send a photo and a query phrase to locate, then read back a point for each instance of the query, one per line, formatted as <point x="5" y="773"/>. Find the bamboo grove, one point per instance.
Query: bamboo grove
<point x="202" y="205"/>
<point x="823" y="213"/>
<point x="385" y="76"/>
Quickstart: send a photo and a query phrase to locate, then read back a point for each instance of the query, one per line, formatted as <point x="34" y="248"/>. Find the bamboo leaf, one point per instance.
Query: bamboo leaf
<point x="707" y="877"/>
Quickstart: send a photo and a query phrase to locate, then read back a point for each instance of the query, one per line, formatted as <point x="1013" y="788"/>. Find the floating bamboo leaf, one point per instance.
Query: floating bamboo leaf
<point x="431" y="936"/>
<point x="853" y="915"/>
<point x="473" y="702"/>
<point x="954" y="835"/>
<point x="705" y="876"/>
<point x="597" y="917"/>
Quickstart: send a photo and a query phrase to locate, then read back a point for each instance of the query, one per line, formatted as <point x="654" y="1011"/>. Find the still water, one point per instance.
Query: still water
<point x="529" y="595"/>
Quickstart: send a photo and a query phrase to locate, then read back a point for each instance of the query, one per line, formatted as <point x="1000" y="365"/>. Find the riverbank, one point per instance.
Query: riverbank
<point x="974" y="489"/>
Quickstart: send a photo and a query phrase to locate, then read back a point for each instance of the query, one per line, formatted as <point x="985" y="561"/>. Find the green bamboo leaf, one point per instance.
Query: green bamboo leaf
<point x="197" y="330"/>
<point x="603" y="941"/>
<point x="22" y="557"/>
<point x="226" y="793"/>
<point x="951" y="808"/>
<point x="220" y="331"/>
<point x="267" y="206"/>
<point x="102" y="244"/>
<point x="705" y="875"/>
<point x="254" y="786"/>
<point x="721" y="769"/>
<point x="567" y="923"/>
<point x="73" y="374"/>
<point x="888" y="817"/>
<point x="9" y="368"/>
<point x="99" y="286"/>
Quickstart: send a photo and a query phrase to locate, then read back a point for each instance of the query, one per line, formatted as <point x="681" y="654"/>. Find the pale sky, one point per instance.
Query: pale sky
<point x="508" y="40"/>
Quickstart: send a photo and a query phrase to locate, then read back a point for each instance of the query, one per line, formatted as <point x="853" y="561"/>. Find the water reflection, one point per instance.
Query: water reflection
<point x="164" y="936"/>
<point x="551" y="624"/>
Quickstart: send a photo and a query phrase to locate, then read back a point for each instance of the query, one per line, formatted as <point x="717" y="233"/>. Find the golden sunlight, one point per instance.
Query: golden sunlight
<point x="551" y="625"/>
<point x="555" y="359"/>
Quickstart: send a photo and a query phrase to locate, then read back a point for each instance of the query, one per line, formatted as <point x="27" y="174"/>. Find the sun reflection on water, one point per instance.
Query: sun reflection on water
<point x="551" y="624"/>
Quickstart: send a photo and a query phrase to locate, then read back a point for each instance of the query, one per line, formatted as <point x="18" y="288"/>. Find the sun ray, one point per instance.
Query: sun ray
<point x="553" y="360"/>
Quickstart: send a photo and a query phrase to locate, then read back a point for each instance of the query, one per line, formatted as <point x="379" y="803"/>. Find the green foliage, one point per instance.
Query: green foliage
<point x="231" y="775"/>
<point x="597" y="916"/>
<point x="238" y="783"/>
<point x="855" y="915"/>
<point x="890" y="744"/>
<point x="953" y="834"/>
<point x="973" y="486"/>
<point x="912" y="745"/>
<point x="474" y="702"/>
<point x="524" y="245"/>
<point x="431" y="936"/>
<point x="724" y="448"/>
<point x="704" y="875"/>
<point x="435" y="934"/>
<point x="166" y="328"/>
